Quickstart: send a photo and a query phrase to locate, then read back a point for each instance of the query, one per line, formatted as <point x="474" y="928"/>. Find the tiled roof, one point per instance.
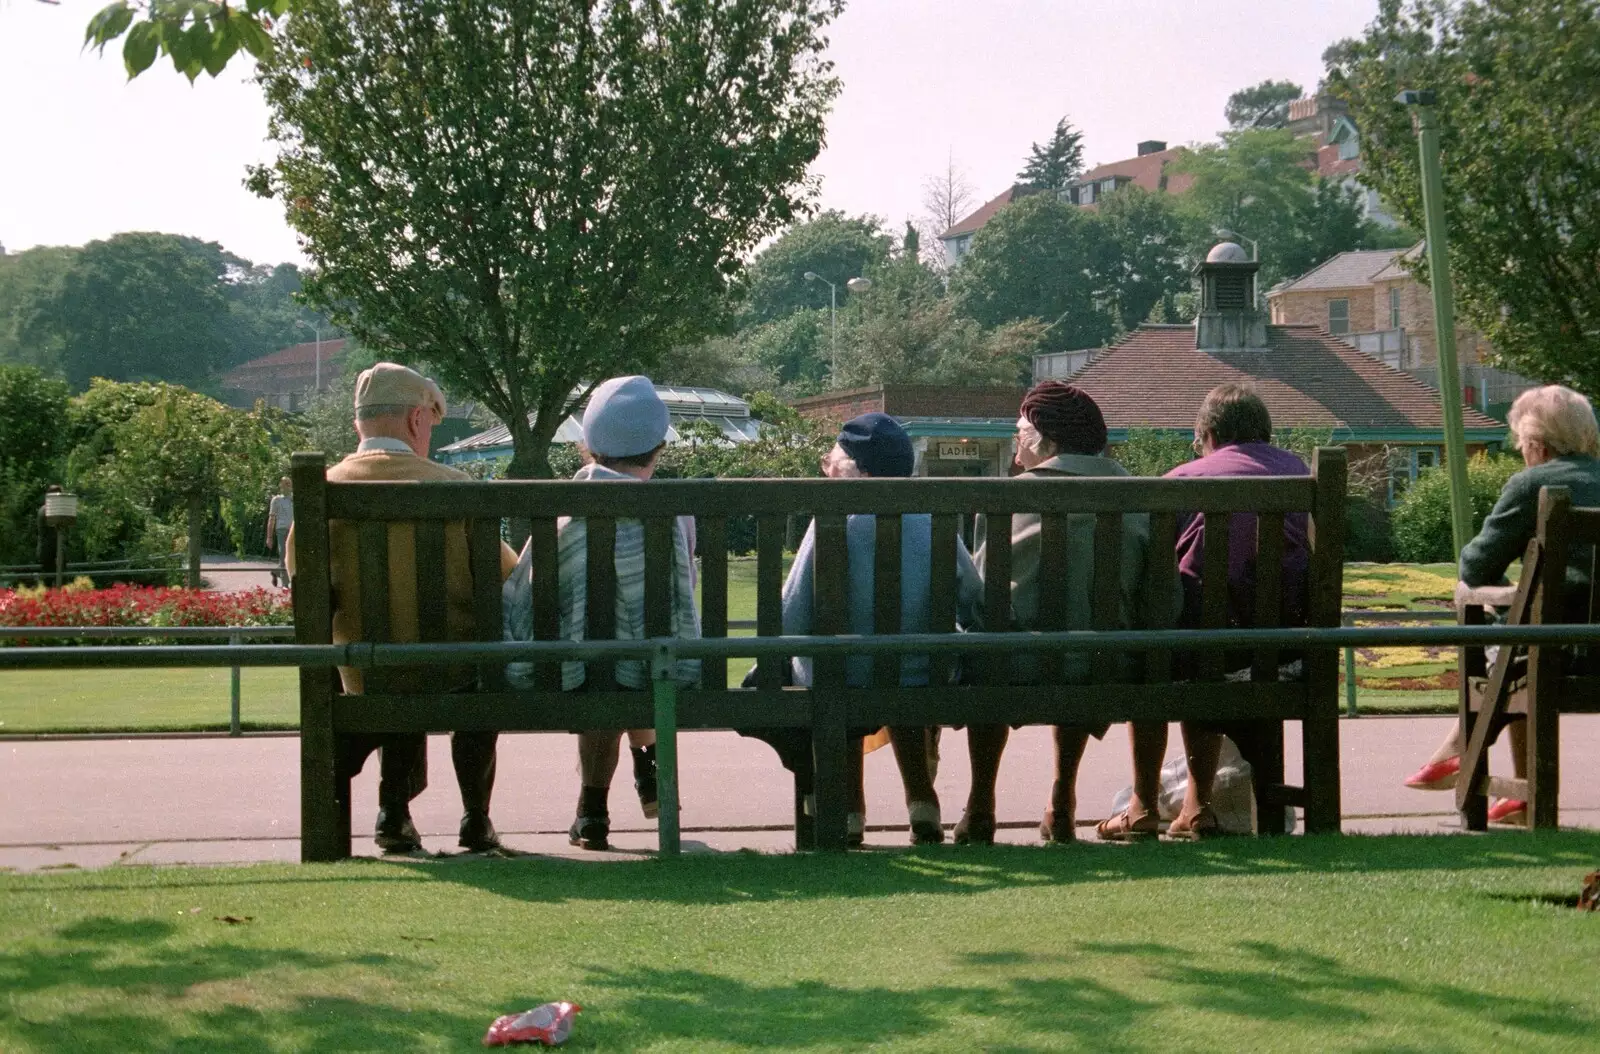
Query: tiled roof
<point x="295" y="366"/>
<point x="1398" y="268"/>
<point x="1157" y="378"/>
<point x="985" y="212"/>
<point x="1330" y="165"/>
<point x="1351" y="270"/>
<point x="1145" y="171"/>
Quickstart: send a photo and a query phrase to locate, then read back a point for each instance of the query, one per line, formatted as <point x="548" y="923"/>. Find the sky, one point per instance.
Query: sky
<point x="84" y="153"/>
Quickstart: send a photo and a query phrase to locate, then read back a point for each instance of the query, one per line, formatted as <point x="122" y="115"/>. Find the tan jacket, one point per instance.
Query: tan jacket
<point x="344" y="565"/>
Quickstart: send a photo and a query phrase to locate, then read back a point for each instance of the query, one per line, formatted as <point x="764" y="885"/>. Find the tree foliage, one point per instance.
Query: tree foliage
<point x="832" y="246"/>
<point x="1053" y="165"/>
<point x="1266" y="105"/>
<point x="1148" y="255"/>
<point x="1043" y="259"/>
<point x="199" y="36"/>
<point x="28" y="282"/>
<point x="33" y="416"/>
<point x="532" y="195"/>
<point x="1421" y="521"/>
<point x="1519" y="131"/>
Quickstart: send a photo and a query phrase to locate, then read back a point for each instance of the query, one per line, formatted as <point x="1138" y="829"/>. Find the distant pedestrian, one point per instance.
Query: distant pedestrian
<point x="280" y="517"/>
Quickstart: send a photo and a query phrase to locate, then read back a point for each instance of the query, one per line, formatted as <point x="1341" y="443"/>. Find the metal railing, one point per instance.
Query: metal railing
<point x="663" y="653"/>
<point x="236" y="636"/>
<point x="1351" y="707"/>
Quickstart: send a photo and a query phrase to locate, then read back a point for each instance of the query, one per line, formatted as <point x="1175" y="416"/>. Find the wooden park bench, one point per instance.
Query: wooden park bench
<point x="1255" y="710"/>
<point x="1537" y="685"/>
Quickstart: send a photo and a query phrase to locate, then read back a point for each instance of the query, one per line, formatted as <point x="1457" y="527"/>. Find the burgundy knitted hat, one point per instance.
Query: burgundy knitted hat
<point x="1067" y="416"/>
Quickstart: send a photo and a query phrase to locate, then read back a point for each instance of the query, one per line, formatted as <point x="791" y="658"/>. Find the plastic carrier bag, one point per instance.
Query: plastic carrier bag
<point x="1232" y="795"/>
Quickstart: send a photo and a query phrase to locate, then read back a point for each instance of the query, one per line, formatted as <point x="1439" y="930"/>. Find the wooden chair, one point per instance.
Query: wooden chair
<point x="1537" y="684"/>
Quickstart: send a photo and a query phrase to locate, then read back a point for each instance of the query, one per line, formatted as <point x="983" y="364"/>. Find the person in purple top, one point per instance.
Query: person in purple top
<point x="1233" y="436"/>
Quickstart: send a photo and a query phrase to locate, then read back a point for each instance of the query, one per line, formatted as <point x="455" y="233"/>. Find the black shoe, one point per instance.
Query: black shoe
<point x="478" y="834"/>
<point x="396" y="833"/>
<point x="591" y="832"/>
<point x="644" y="780"/>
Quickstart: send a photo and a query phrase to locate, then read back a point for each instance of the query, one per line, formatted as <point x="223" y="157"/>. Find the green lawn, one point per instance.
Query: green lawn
<point x="1389" y="680"/>
<point x="1326" y="944"/>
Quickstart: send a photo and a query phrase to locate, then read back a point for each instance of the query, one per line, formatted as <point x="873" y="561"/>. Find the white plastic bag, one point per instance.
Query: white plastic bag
<point x="1232" y="795"/>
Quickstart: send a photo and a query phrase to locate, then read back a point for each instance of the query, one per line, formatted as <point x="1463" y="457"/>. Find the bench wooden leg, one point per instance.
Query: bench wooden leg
<point x="805" y="824"/>
<point x="833" y="781"/>
<point x="1319" y="746"/>
<point x="1266" y="767"/>
<point x="324" y="787"/>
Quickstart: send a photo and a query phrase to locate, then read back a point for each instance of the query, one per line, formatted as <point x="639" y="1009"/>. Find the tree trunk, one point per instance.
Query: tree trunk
<point x="197" y="511"/>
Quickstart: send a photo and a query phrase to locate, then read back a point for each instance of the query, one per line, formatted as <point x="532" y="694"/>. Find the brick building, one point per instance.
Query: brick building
<point x="1158" y="375"/>
<point x="955" y="431"/>
<point x="288" y="377"/>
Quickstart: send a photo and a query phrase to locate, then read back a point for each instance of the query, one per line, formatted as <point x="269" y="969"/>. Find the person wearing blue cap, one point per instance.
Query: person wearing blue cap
<point x="625" y="427"/>
<point x="874" y="445"/>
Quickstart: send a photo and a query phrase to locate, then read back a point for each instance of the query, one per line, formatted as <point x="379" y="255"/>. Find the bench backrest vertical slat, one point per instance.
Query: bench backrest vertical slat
<point x="601" y="538"/>
<point x="1052" y="593"/>
<point x="432" y="603"/>
<point x="996" y="590"/>
<point x="544" y="556"/>
<point x="1269" y="590"/>
<point x="1214" y="589"/>
<point x="1160" y="591"/>
<point x="1544" y="663"/>
<point x="324" y="805"/>
<point x="711" y="537"/>
<point x="942" y="592"/>
<point x="885" y="596"/>
<point x="769" y="595"/>
<point x="1106" y="610"/>
<point x="488" y="616"/>
<point x="658" y="575"/>
<point x="372" y="564"/>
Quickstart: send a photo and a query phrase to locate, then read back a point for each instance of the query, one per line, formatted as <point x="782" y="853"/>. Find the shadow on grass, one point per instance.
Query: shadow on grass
<point x="741" y="877"/>
<point x="90" y="987"/>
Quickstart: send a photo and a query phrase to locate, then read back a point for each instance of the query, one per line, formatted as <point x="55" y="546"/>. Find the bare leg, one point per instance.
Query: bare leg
<point x="639" y="738"/>
<point x="1060" y="817"/>
<point x="1203" y="749"/>
<point x="1149" y="742"/>
<point x="1450" y="748"/>
<point x="911" y="754"/>
<point x="597" y="758"/>
<point x="986" y="744"/>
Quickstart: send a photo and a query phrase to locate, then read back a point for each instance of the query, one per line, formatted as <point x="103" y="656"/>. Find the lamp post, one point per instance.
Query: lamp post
<point x="1444" y="323"/>
<point x="854" y="285"/>
<point x="317" y="330"/>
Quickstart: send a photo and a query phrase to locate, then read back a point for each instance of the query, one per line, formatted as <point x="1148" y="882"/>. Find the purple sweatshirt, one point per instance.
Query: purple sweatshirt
<point x="1243" y="459"/>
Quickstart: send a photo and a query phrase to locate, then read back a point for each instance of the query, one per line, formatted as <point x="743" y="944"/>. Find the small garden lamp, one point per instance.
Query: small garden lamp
<point x="60" y="512"/>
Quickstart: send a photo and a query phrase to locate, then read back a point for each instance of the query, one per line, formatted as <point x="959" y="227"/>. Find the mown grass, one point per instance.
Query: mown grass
<point x="190" y="700"/>
<point x="1327" y="944"/>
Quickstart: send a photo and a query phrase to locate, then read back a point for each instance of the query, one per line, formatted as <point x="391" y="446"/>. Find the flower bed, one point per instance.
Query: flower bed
<point x="141" y="606"/>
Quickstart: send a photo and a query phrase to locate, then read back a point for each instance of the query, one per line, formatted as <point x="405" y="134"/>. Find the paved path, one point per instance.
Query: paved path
<point x="226" y="574"/>
<point x="94" y="803"/>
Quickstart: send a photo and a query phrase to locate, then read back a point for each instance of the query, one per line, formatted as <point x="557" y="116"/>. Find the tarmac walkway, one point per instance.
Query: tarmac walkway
<point x="117" y="802"/>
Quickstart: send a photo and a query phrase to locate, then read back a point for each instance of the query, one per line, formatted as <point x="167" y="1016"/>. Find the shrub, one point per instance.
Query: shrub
<point x="1421" y="521"/>
<point x="141" y="606"/>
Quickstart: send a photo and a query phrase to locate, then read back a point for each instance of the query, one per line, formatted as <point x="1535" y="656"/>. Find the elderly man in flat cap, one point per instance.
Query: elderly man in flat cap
<point x="396" y="410"/>
<point x="624" y="430"/>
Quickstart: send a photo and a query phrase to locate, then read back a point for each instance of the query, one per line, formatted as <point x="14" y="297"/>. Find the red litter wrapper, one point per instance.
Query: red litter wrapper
<point x="549" y="1025"/>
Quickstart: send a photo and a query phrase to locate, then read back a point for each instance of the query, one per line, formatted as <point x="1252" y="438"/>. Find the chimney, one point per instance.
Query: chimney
<point x="1228" y="319"/>
<point x="1151" y="146"/>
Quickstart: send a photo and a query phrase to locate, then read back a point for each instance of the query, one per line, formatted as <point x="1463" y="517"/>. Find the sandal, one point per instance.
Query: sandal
<point x="1124" y="828"/>
<point x="975" y="828"/>
<point x="1202" y="825"/>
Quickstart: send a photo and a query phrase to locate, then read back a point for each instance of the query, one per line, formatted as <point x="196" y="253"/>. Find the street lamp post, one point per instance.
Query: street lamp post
<point x="854" y="285"/>
<point x="1444" y="323"/>
<point x="317" y="330"/>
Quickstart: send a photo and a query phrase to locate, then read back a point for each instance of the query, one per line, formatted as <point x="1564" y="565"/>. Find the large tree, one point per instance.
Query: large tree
<point x="1044" y="259"/>
<point x="1148" y="254"/>
<point x="29" y="281"/>
<point x="33" y="417"/>
<point x="134" y="307"/>
<point x="1266" y="105"/>
<point x="1519" y="128"/>
<point x="533" y="194"/>
<point x="1053" y="165"/>
<point x="832" y="246"/>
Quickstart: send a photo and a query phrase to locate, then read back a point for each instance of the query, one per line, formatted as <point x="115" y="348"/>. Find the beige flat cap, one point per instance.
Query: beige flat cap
<point x="391" y="384"/>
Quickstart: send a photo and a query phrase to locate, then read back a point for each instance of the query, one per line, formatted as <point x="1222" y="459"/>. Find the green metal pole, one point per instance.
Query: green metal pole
<point x="234" y="688"/>
<point x="665" y="692"/>
<point x="1444" y="325"/>
<point x="1351" y="707"/>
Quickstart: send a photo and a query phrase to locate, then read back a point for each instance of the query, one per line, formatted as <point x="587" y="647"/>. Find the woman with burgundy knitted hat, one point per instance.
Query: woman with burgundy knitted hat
<point x="1060" y="434"/>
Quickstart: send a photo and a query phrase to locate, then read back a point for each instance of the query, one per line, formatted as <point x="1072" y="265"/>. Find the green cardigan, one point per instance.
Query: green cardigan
<point x="1513" y="522"/>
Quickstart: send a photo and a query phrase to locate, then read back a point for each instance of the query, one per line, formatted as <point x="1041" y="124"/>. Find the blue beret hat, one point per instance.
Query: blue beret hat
<point x="625" y="417"/>
<point x="878" y="445"/>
